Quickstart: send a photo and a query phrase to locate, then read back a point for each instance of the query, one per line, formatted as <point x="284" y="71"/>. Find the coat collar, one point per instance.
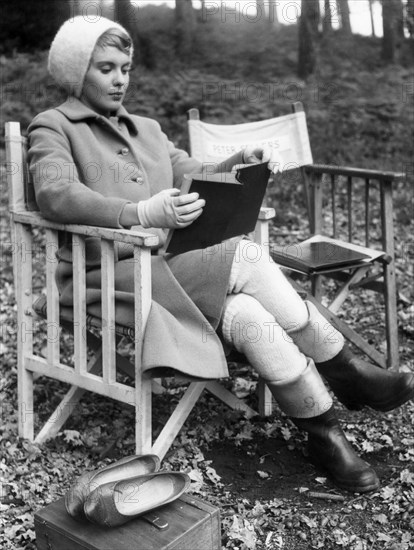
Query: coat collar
<point x="75" y="110"/>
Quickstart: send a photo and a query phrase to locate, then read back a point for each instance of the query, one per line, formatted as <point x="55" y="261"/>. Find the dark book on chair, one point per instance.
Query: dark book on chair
<point x="233" y="202"/>
<point x="317" y="256"/>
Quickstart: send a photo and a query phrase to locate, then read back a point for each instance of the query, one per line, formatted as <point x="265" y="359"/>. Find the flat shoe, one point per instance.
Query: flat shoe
<point x="113" y="504"/>
<point x="125" y="468"/>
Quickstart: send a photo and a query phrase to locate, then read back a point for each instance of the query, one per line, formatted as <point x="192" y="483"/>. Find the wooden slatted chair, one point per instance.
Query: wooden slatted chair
<point x="289" y="136"/>
<point x="96" y="360"/>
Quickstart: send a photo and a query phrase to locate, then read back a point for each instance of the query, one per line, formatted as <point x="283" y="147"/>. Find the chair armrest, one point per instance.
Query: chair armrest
<point x="354" y="172"/>
<point x="145" y="240"/>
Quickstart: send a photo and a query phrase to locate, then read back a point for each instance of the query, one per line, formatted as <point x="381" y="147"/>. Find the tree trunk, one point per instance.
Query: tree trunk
<point x="306" y="53"/>
<point x="409" y="21"/>
<point x="371" y="14"/>
<point x="314" y="14"/>
<point x="273" y="15"/>
<point x="202" y="12"/>
<point x="399" y="19"/>
<point x="184" y="27"/>
<point x="343" y="8"/>
<point x="327" y="17"/>
<point x="388" y="24"/>
<point x="261" y="11"/>
<point x="127" y="15"/>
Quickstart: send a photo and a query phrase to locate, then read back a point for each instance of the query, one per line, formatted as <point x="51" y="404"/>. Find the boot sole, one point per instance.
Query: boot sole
<point x="403" y="398"/>
<point x="341" y="485"/>
<point x="364" y="489"/>
<point x="381" y="407"/>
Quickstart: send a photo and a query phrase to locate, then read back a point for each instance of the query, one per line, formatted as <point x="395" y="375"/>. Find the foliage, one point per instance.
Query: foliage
<point x="357" y="109"/>
<point x="25" y="29"/>
<point x="359" y="113"/>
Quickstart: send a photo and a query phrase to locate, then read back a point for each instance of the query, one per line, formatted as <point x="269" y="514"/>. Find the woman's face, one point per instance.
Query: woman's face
<point x="107" y="80"/>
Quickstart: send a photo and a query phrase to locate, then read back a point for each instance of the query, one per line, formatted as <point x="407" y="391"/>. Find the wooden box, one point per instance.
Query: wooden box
<point x="192" y="525"/>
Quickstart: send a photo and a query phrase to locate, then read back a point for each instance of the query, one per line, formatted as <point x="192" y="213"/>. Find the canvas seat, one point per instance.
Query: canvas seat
<point x="96" y="359"/>
<point x="338" y="189"/>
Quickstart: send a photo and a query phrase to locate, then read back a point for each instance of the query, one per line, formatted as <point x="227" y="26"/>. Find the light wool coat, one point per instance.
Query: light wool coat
<point x="85" y="169"/>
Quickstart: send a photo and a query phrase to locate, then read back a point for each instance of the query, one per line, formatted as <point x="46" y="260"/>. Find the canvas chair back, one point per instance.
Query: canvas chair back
<point x="287" y="135"/>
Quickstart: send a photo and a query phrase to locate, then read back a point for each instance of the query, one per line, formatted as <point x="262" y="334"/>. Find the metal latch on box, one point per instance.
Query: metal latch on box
<point x="155" y="520"/>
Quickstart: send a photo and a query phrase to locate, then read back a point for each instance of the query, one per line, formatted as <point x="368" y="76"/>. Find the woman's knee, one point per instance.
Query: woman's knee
<point x="250" y="252"/>
<point x="245" y="319"/>
<point x="252" y="264"/>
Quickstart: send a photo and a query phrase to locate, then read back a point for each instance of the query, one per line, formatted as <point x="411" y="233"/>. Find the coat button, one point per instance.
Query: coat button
<point x="124" y="151"/>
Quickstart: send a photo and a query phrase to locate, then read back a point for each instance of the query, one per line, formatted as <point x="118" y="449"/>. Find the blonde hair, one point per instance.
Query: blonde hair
<point x="117" y="39"/>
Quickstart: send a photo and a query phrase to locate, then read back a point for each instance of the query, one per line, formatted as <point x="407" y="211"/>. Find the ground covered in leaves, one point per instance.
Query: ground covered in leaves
<point x="255" y="471"/>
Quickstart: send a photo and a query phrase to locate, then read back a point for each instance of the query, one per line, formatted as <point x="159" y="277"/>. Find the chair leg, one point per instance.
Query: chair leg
<point x="25" y="402"/>
<point x="316" y="286"/>
<point x="177" y="419"/>
<point x="389" y="274"/>
<point x="229" y="398"/>
<point x="391" y="319"/>
<point x="22" y="267"/>
<point x="342" y="293"/>
<point x="143" y="415"/>
<point x="68" y="404"/>
<point x="265" y="399"/>
<point x="59" y="416"/>
<point x="350" y="334"/>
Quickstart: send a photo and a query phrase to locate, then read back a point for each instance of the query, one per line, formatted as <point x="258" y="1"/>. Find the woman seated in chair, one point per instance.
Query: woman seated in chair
<point x="94" y="163"/>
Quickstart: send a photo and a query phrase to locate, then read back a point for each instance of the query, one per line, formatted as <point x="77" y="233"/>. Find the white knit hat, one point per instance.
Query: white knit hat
<point x="72" y="48"/>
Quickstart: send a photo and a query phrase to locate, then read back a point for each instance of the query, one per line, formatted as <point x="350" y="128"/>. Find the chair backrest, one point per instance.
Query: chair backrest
<point x="287" y="134"/>
<point x="20" y="187"/>
<point x="352" y="204"/>
<point x="16" y="148"/>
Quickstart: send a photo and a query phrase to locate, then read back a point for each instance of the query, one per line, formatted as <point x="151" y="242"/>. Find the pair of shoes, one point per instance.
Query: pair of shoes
<point x="114" y="504"/>
<point x="125" y="468"/>
<point x="123" y="490"/>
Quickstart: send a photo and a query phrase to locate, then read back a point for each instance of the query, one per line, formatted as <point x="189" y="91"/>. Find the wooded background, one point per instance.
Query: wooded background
<point x="24" y="29"/>
<point x="242" y="61"/>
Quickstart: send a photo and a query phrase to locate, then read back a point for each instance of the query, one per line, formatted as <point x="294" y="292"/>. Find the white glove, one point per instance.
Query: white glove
<point x="169" y="209"/>
<point x="254" y="155"/>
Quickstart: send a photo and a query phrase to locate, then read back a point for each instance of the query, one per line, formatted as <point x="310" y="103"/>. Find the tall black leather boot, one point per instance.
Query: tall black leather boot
<point x="329" y="449"/>
<point x="357" y="383"/>
<point x="307" y="402"/>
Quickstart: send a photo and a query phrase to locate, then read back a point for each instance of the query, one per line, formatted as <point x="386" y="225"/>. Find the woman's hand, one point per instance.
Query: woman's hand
<point x="254" y="155"/>
<point x="169" y="209"/>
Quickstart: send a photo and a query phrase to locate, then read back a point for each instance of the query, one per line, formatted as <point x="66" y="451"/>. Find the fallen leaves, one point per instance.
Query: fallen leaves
<point x="380" y="518"/>
<point x="73" y="437"/>
<point x="197" y="480"/>
<point x="240" y="529"/>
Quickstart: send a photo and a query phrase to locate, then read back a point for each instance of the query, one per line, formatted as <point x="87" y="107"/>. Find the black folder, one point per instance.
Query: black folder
<point x="233" y="202"/>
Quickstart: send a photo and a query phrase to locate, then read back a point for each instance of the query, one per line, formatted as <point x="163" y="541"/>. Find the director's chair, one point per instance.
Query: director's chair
<point x="289" y="136"/>
<point x="96" y="360"/>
